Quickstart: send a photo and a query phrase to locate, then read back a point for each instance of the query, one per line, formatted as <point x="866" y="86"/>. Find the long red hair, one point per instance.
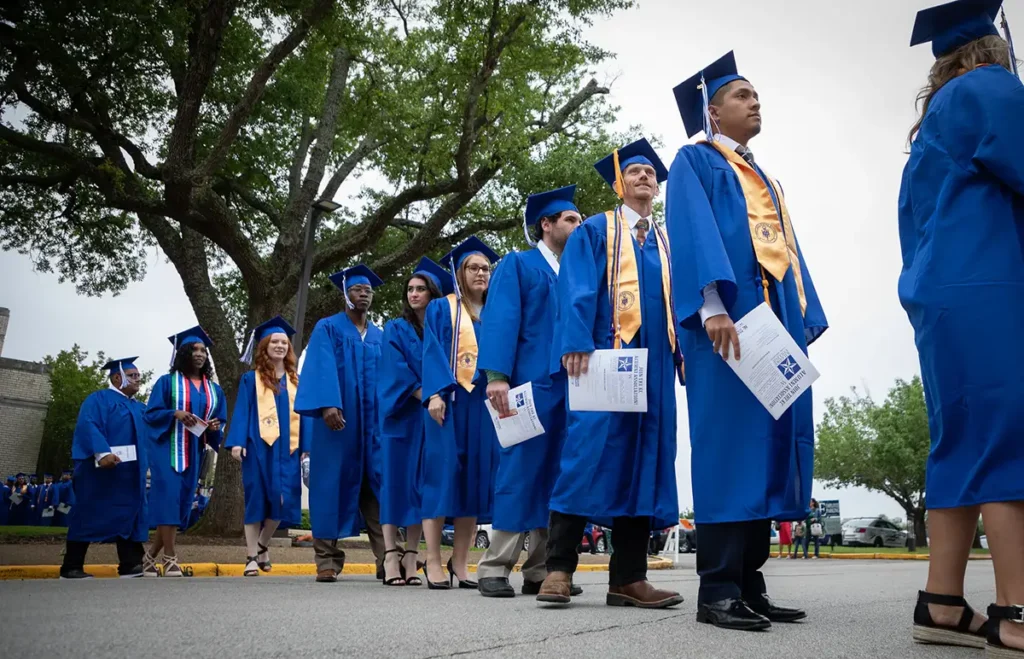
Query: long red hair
<point x="264" y="367"/>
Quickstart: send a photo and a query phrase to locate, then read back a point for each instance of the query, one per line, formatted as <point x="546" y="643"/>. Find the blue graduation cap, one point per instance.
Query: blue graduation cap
<point x="472" y="245"/>
<point x="11" y="479"/>
<point x="67" y="472"/>
<point x="20" y="474"/>
<point x="47" y="475"/>
<point x="441" y="277"/>
<point x="189" y="336"/>
<point x="639" y="152"/>
<point x="546" y="204"/>
<point x="354" y="276"/>
<point x="955" y="24"/>
<point x="276" y="325"/>
<point x="119" y="366"/>
<point x="694" y="93"/>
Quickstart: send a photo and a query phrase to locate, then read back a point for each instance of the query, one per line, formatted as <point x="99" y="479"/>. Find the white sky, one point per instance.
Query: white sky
<point x="837" y="83"/>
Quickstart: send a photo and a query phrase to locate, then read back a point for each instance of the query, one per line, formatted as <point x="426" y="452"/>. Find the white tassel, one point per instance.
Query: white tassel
<point x="708" y="132"/>
<point x="455" y="280"/>
<point x="174" y="351"/>
<point x="124" y="378"/>
<point x="526" y="232"/>
<point x="247" y="355"/>
<point x="344" y="292"/>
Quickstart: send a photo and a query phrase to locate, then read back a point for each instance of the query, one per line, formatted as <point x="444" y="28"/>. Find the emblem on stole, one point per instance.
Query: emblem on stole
<point x="766" y="233"/>
<point x="626" y="300"/>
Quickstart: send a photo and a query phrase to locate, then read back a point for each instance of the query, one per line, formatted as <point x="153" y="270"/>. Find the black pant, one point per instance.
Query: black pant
<point x="629" y="556"/>
<point x="129" y="555"/>
<point x="730" y="558"/>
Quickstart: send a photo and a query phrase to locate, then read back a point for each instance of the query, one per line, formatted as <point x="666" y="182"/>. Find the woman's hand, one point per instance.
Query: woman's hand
<point x="187" y="418"/>
<point x="436" y="407"/>
<point x="333" y="418"/>
<point x="214" y="425"/>
<point x="237" y="452"/>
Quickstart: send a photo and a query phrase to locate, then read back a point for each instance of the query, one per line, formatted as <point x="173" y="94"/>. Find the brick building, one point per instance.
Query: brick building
<point x="24" y="397"/>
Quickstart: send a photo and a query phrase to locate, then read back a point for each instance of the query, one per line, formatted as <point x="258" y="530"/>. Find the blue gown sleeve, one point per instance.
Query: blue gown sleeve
<point x="699" y="256"/>
<point x="238" y="428"/>
<point x="89" y="438"/>
<point x="578" y="281"/>
<point x="220" y="411"/>
<point x="982" y="124"/>
<point x="319" y="382"/>
<point x="437" y="372"/>
<point x="397" y="380"/>
<point x="159" y="413"/>
<point x="499" y="333"/>
<point x="305" y="434"/>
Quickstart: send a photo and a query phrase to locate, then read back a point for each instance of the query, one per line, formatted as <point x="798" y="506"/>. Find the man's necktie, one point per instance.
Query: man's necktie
<point x="642" y="227"/>
<point x="746" y="154"/>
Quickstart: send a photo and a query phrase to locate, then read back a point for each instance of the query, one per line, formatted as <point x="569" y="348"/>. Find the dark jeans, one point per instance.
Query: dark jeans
<point x="730" y="559"/>
<point x="629" y="558"/>
<point x="129" y="555"/>
<point x="808" y="540"/>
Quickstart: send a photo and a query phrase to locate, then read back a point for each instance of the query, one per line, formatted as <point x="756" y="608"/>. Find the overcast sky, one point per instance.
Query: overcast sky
<point x="837" y="83"/>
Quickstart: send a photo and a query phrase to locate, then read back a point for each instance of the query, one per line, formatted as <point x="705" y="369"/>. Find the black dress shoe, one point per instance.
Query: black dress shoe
<point x="763" y="605"/>
<point x="533" y="588"/>
<point x="75" y="574"/>
<point x="731" y="614"/>
<point x="495" y="587"/>
<point x="130" y="573"/>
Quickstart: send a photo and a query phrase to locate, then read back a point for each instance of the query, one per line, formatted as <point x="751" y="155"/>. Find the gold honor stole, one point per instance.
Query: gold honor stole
<point x="266" y="412"/>
<point x="624" y="280"/>
<point x="464" y="346"/>
<point x="774" y="255"/>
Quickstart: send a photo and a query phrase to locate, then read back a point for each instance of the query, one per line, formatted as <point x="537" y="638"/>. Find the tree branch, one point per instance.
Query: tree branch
<point x="401" y="14"/>
<point x="348" y="165"/>
<point x="258" y="84"/>
<point x="225" y="187"/>
<point x="298" y="160"/>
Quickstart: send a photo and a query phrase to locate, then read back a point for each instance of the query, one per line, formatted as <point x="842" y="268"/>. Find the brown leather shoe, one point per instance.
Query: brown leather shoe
<point x="642" y="595"/>
<point x="326" y="576"/>
<point x="556" y="588"/>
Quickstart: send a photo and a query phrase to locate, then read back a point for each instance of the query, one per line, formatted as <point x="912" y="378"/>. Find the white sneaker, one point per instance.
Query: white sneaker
<point x="149" y="566"/>
<point x="171" y="567"/>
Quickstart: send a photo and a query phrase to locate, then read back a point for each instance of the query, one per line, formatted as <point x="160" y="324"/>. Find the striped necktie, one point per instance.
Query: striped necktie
<point x="746" y="154"/>
<point x="642" y="227"/>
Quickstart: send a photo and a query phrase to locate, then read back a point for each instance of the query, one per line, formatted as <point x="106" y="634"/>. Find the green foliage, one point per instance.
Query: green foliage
<point x="305" y="524"/>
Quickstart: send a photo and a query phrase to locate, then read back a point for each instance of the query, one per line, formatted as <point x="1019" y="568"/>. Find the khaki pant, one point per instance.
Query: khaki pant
<point x="503" y="554"/>
<point x="329" y="556"/>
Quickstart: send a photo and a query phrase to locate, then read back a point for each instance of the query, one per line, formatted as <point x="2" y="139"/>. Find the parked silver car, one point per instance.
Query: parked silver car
<point x="873" y="532"/>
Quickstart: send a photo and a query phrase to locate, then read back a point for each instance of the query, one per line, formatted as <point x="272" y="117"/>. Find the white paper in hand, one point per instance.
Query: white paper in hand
<point x="772" y="365"/>
<point x="523" y="423"/>
<point x="47" y="512"/>
<point x="199" y="428"/>
<point x="615" y="381"/>
<point x="16" y="498"/>
<point x="64" y="509"/>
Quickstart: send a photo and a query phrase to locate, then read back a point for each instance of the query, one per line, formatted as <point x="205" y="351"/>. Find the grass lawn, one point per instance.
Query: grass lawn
<point x="32" y="531"/>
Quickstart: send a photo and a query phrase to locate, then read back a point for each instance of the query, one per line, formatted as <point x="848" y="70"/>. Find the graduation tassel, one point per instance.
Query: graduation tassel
<point x="455" y="280"/>
<point x="526" y="232"/>
<point x="124" y="379"/>
<point x="344" y="292"/>
<point x="247" y="355"/>
<point x="708" y="129"/>
<point x="1009" y="42"/>
<point x="174" y="350"/>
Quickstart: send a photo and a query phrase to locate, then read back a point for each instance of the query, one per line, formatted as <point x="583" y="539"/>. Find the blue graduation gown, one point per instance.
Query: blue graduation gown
<point x="65" y="495"/>
<point x="961" y="222"/>
<point x="340" y="370"/>
<point x="171" y="493"/>
<point x="518" y="328"/>
<point x="46" y="498"/>
<point x="109" y="503"/>
<point x="616" y="463"/>
<point x="401" y="424"/>
<point x="271" y="475"/>
<point x="19" y="514"/>
<point x="460" y="458"/>
<point x="33" y="512"/>
<point x="744" y="464"/>
<point x="5" y="504"/>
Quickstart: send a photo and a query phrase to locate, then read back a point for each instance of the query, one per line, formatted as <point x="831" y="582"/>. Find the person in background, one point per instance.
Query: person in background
<point x="5" y="500"/>
<point x="517" y="331"/>
<point x="19" y="498"/>
<point x="186" y="410"/>
<point x="268" y="437"/>
<point x="961" y="223"/>
<point x="33" y="494"/>
<point x="110" y="453"/>
<point x="813" y="528"/>
<point x="65" y="498"/>
<point x="46" y="501"/>
<point x="400" y="390"/>
<point x="338" y="390"/>
<point x="785" y="539"/>
<point x="461" y="449"/>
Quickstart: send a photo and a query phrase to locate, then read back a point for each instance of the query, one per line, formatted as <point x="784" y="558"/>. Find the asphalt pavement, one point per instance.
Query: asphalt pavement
<point x="856" y="609"/>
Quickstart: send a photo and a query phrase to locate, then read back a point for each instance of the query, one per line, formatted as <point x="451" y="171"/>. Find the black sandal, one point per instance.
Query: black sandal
<point x="926" y="630"/>
<point x="266" y="565"/>
<point x="995" y="648"/>
<point x="412" y="580"/>
<point x="393" y="581"/>
<point x="249" y="560"/>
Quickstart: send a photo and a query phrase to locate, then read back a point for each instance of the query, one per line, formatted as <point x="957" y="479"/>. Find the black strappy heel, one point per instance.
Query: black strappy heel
<point x="393" y="581"/>
<point x="411" y="580"/>
<point x="467" y="584"/>
<point x="266" y="565"/>
<point x="250" y="573"/>
<point x="995" y="648"/>
<point x="926" y="630"/>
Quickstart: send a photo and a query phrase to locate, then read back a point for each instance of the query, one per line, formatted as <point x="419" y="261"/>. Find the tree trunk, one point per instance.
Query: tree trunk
<point x="225" y="513"/>
<point x="920" y="528"/>
<point x="977" y="538"/>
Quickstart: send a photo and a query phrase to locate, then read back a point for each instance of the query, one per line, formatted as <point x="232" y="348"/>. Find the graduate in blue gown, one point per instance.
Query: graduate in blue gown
<point x="65" y="498"/>
<point x="400" y="393"/>
<point x="268" y="437"/>
<point x="518" y="328"/>
<point x="461" y="451"/>
<point x="33" y="494"/>
<point x="961" y="227"/>
<point x="46" y="501"/>
<point x="617" y="468"/>
<point x="180" y="399"/>
<point x="19" y="512"/>
<point x="338" y="391"/>
<point x="747" y="468"/>
<point x="110" y="488"/>
<point x="5" y="500"/>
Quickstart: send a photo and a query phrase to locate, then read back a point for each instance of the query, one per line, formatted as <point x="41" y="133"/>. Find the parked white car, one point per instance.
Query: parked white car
<point x="872" y="532"/>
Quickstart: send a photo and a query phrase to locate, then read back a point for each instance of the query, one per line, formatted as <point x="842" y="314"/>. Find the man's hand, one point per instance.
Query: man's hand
<point x="186" y="418"/>
<point x="436" y="407"/>
<point x="576" y="363"/>
<point x="214" y="425"/>
<point x="333" y="418"/>
<point x="722" y="333"/>
<point x="237" y="452"/>
<point x="109" y="461"/>
<point x="497" y="393"/>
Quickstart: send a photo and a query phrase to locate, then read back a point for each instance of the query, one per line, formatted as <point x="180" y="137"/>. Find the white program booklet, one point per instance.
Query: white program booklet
<point x="772" y="365"/>
<point x="126" y="453"/>
<point x="199" y="428"/>
<point x="615" y="381"/>
<point x="523" y="423"/>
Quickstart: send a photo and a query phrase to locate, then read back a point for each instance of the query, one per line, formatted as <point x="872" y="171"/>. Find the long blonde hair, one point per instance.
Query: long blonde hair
<point x="991" y="49"/>
<point x="460" y="276"/>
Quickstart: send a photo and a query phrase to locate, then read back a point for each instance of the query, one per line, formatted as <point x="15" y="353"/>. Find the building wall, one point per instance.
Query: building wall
<point x="24" y="396"/>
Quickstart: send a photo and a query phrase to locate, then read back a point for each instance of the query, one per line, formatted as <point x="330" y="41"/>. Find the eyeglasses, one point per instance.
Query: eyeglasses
<point x="478" y="269"/>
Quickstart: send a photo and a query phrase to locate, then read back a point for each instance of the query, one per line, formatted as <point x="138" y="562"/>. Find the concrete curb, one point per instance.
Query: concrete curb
<point x="883" y="557"/>
<point x="21" y="572"/>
